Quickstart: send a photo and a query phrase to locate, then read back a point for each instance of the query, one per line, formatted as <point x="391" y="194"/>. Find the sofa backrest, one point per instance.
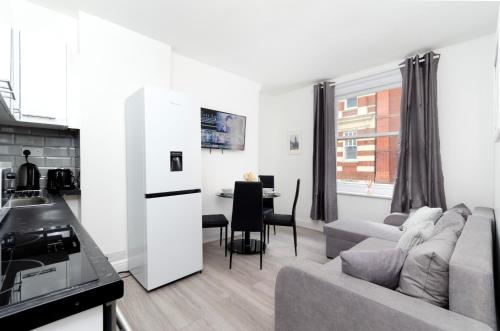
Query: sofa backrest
<point x="472" y="289"/>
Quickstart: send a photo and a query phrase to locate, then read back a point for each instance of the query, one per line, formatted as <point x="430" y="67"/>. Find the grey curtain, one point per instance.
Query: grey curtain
<point x="419" y="179"/>
<point x="324" y="202"/>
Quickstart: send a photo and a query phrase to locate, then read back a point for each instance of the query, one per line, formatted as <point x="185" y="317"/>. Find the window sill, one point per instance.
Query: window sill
<point x="360" y="189"/>
<point x="365" y="195"/>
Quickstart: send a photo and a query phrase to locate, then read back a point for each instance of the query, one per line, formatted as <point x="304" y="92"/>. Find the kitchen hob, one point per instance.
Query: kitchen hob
<point x="41" y="262"/>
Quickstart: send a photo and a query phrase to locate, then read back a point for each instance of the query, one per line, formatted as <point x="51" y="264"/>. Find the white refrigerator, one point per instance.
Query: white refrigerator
<point x="163" y="159"/>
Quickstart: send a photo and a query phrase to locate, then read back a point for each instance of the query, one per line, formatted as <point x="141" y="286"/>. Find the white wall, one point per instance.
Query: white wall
<point x="220" y="90"/>
<point x="496" y="204"/>
<point x="496" y="112"/>
<point x="115" y="62"/>
<point x="465" y="83"/>
<point x="465" y="101"/>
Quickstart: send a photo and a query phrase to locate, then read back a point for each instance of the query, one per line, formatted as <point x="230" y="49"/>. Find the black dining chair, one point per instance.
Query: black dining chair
<point x="268" y="203"/>
<point x="216" y="221"/>
<point x="247" y="214"/>
<point x="285" y="220"/>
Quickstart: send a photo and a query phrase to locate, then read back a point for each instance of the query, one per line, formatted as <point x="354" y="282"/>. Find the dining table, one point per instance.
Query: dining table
<point x="247" y="245"/>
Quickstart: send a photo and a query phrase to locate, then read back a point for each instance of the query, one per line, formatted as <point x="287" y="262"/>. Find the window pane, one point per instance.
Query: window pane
<point x="386" y="159"/>
<point x="370" y="159"/>
<point x="352" y="102"/>
<point x="388" y="110"/>
<point x="350" y="152"/>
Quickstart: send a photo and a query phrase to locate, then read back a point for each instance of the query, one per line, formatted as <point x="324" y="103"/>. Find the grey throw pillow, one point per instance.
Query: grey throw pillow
<point x="422" y="215"/>
<point x="380" y="267"/>
<point x="450" y="220"/>
<point x="425" y="272"/>
<point x="462" y="209"/>
<point x="415" y="235"/>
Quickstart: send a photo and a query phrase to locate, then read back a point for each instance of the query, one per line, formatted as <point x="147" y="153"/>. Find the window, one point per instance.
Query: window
<point x="367" y="137"/>
<point x="351" y="102"/>
<point x="350" y="147"/>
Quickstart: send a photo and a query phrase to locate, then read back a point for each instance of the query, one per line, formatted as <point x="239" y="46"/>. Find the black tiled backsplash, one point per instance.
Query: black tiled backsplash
<point x="49" y="148"/>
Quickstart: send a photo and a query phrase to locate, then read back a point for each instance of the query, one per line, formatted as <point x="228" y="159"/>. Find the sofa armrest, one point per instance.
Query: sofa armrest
<point x="308" y="297"/>
<point x="396" y="219"/>
<point x="484" y="212"/>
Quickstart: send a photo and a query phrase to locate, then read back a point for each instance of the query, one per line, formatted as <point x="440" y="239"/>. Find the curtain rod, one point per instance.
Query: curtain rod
<point x="421" y="60"/>
<point x="401" y="65"/>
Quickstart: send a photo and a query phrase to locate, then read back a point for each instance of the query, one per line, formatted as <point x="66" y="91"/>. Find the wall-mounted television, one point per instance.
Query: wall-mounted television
<point x="222" y="130"/>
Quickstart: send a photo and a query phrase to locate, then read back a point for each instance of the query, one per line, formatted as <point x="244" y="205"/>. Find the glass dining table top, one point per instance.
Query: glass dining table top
<point x="265" y="195"/>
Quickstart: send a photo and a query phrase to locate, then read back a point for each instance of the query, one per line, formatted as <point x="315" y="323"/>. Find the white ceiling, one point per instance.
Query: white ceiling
<point x="285" y="43"/>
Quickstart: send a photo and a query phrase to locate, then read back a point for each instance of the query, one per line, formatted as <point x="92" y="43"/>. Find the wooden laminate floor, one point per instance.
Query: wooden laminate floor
<point x="219" y="298"/>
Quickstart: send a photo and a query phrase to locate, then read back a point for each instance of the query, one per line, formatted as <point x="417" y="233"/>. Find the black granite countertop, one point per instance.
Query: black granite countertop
<point x="75" y="191"/>
<point x="45" y="309"/>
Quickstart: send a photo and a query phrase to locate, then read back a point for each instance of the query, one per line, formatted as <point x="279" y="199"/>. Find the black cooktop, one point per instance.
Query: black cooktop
<point x="41" y="262"/>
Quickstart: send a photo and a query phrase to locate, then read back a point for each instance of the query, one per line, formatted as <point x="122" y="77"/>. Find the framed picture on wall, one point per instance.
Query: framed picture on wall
<point x="294" y="142"/>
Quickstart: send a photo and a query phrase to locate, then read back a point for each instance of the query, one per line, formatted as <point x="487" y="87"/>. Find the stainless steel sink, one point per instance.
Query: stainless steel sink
<point x="30" y="201"/>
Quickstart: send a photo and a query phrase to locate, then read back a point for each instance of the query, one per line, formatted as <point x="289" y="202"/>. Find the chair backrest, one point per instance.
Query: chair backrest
<point x="297" y="189"/>
<point x="267" y="182"/>
<point x="247" y="207"/>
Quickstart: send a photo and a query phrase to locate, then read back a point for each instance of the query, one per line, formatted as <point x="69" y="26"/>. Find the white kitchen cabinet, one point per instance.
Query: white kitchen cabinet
<point x="5" y="55"/>
<point x="90" y="319"/>
<point x="43" y="78"/>
<point x="39" y="54"/>
<point x="7" y="63"/>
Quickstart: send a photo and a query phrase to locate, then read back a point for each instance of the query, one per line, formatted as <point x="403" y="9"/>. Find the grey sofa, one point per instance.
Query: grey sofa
<point x="312" y="296"/>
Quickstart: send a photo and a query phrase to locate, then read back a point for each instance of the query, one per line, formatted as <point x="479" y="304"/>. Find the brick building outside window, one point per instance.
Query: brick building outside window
<point x="367" y="137"/>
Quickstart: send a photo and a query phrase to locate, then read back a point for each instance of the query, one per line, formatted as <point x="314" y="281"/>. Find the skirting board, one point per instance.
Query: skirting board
<point x="210" y="235"/>
<point x="120" y="265"/>
<point x="119" y="260"/>
<point x="310" y="224"/>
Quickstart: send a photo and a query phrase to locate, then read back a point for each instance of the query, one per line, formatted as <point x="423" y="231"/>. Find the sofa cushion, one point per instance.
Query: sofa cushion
<point x="381" y="267"/>
<point x="366" y="245"/>
<point x="450" y="220"/>
<point x="357" y="231"/>
<point x="415" y="235"/>
<point x="425" y="271"/>
<point x="424" y="214"/>
<point x="471" y="271"/>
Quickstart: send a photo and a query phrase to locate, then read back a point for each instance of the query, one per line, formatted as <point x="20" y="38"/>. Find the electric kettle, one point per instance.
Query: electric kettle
<point x="28" y="176"/>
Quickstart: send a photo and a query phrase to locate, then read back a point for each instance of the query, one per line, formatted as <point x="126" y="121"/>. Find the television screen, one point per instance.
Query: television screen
<point x="222" y="130"/>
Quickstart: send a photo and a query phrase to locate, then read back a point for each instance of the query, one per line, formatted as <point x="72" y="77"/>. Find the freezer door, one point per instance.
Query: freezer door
<point x="173" y="143"/>
<point x="174" y="238"/>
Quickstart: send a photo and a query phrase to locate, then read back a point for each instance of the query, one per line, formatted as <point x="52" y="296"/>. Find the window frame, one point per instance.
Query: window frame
<point x="355" y="88"/>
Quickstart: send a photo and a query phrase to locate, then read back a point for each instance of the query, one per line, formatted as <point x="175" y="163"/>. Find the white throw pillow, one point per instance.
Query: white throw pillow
<point x="416" y="234"/>
<point x="424" y="214"/>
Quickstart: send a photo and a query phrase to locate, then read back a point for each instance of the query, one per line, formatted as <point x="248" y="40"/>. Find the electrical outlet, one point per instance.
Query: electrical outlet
<point x="35" y="151"/>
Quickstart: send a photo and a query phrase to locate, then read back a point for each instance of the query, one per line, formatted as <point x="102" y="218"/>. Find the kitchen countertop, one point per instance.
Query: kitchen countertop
<point x="54" y="306"/>
<point x="75" y="191"/>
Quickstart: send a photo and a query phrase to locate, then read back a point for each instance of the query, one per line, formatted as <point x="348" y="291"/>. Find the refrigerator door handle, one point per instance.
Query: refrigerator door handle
<point x="171" y="193"/>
